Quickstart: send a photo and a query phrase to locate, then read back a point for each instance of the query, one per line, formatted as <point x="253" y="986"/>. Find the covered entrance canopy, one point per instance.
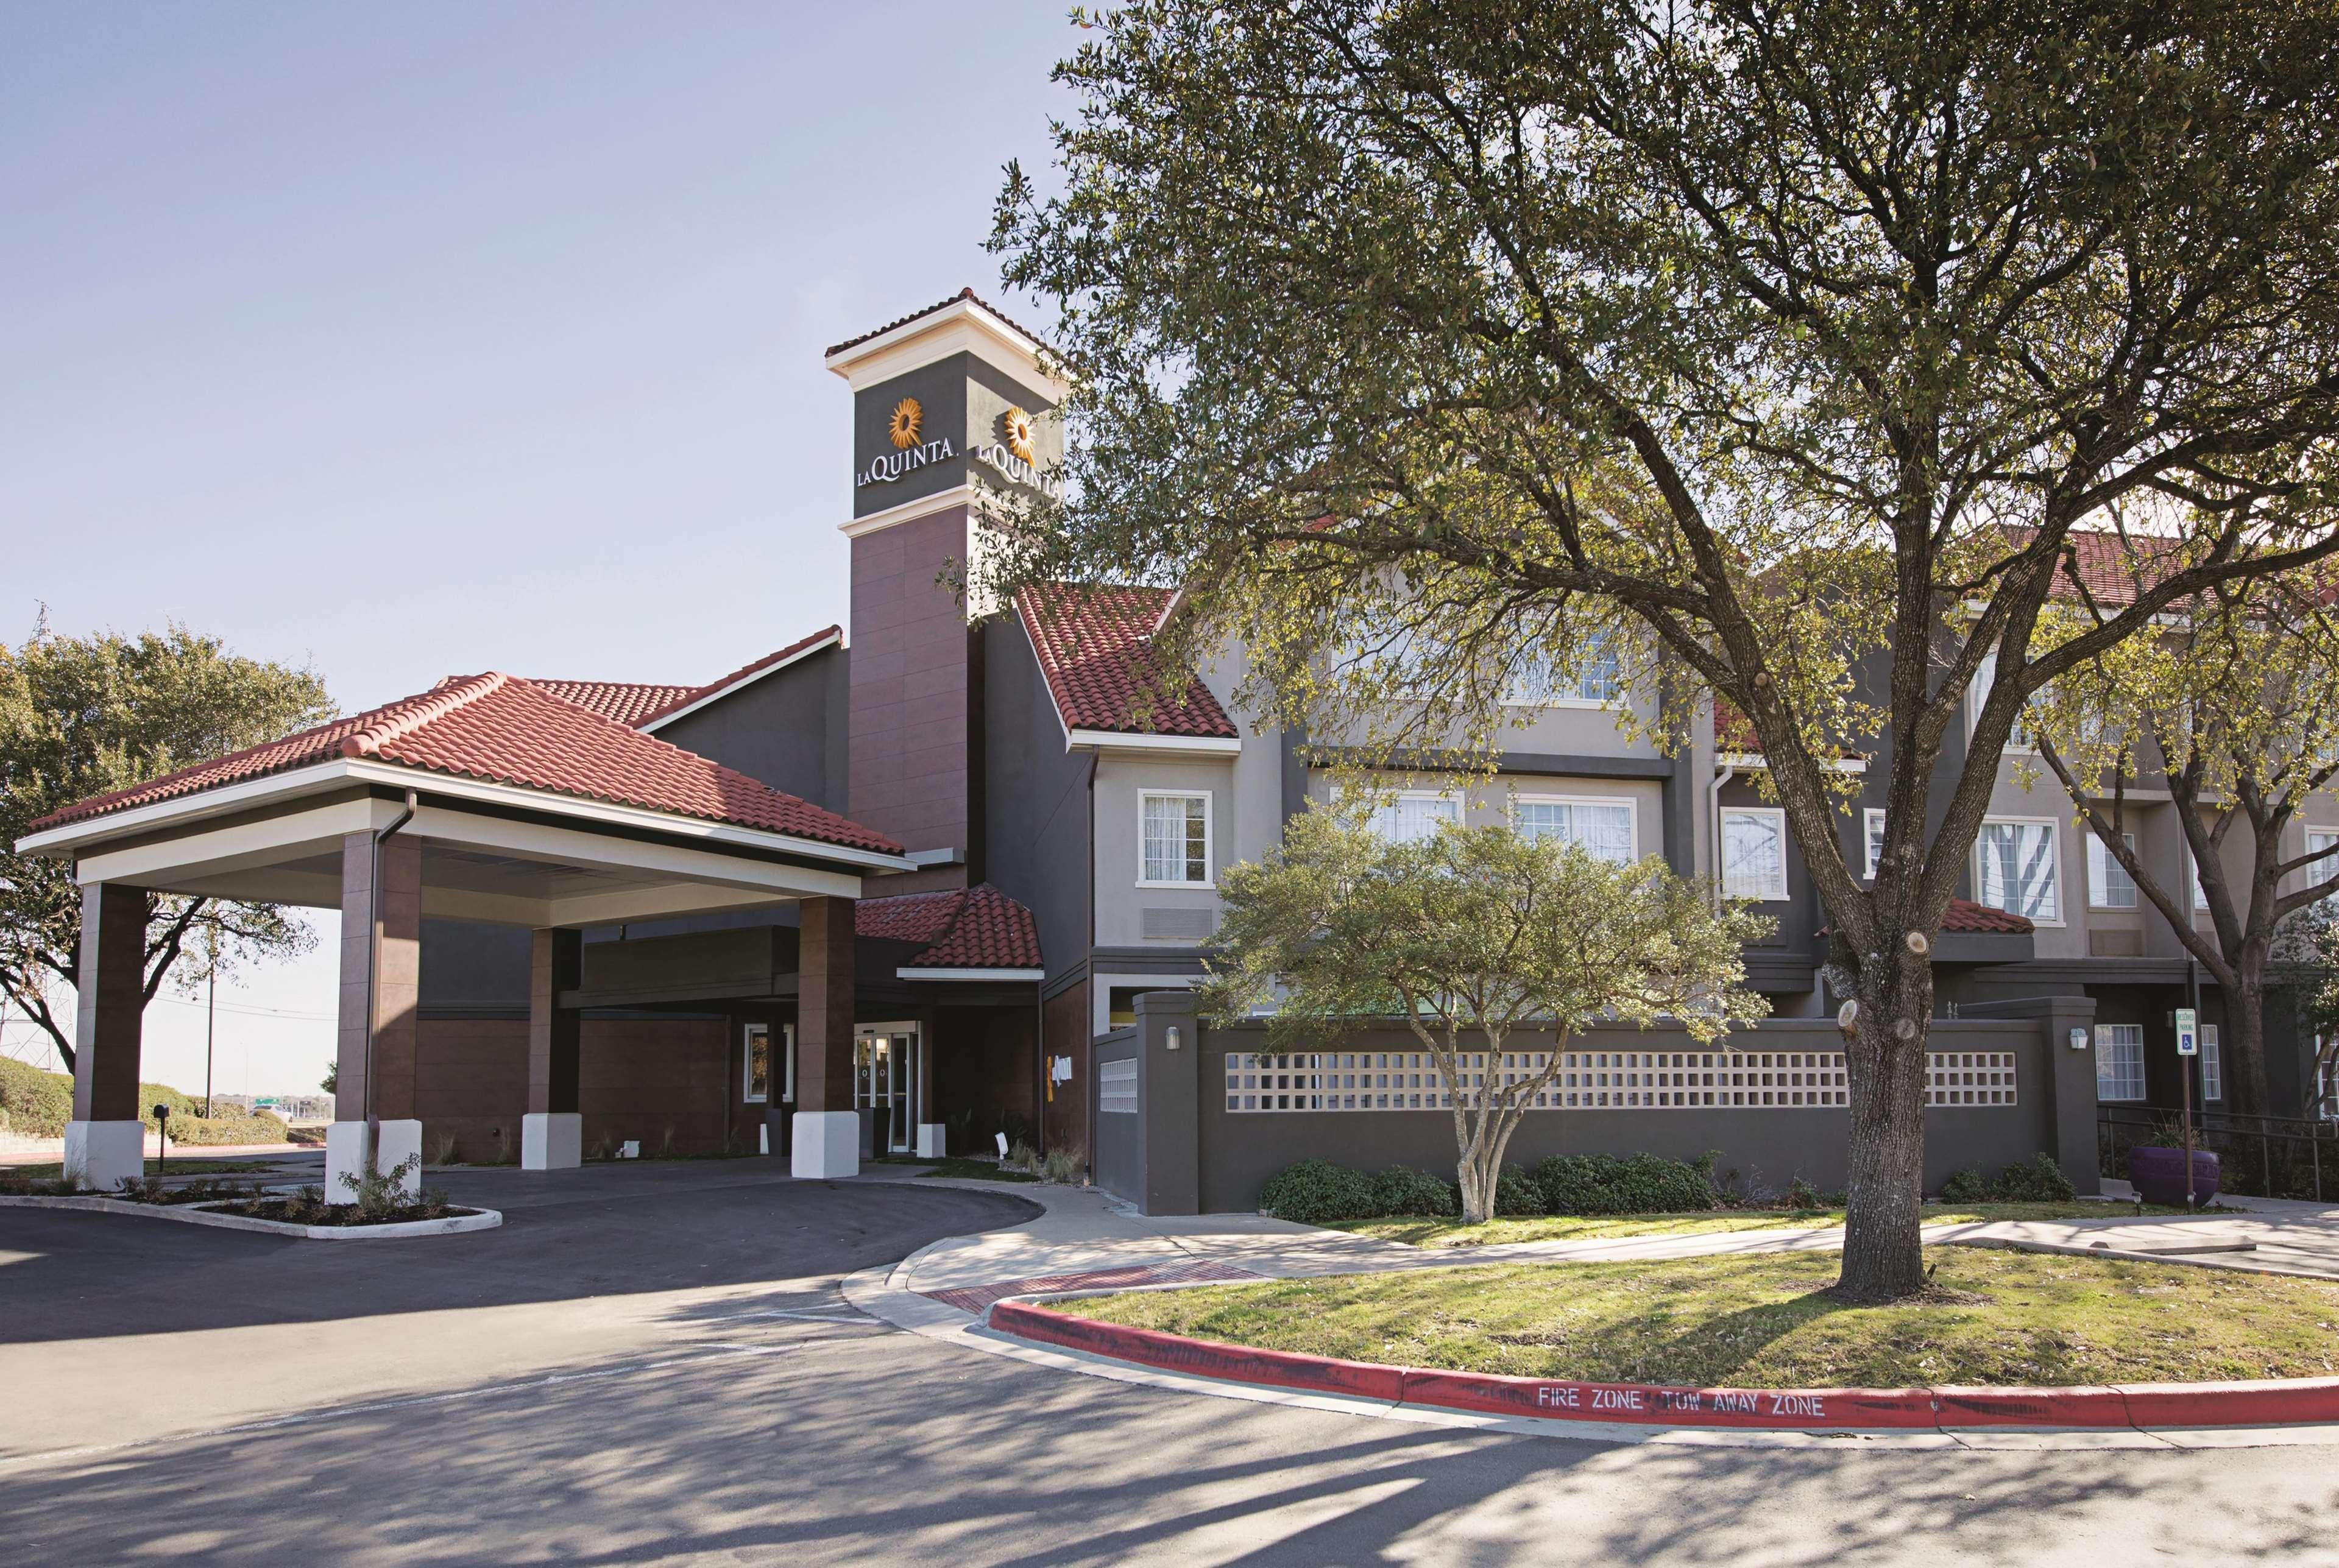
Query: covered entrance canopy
<point x="485" y="799"/>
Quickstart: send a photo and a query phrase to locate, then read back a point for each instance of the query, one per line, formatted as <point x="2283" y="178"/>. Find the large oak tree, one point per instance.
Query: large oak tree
<point x="1777" y="339"/>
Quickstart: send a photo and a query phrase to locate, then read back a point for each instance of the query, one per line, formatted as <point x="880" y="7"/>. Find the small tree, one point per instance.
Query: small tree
<point x="83" y="716"/>
<point x="1469" y="937"/>
<point x="2233" y="709"/>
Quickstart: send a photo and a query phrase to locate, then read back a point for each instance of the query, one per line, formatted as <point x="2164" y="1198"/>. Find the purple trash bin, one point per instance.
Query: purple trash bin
<point x="2159" y="1174"/>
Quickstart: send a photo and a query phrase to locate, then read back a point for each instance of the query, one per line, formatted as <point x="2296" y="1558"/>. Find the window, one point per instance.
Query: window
<point x="1412" y="817"/>
<point x="1755" y="853"/>
<point x="1177" y="849"/>
<point x="2015" y="868"/>
<point x="2327" y="1082"/>
<point x="2322" y="871"/>
<point x="1597" y="679"/>
<point x="1604" y="828"/>
<point x="755" y="1064"/>
<point x="2198" y="894"/>
<point x="2213" y="1065"/>
<point x="2017" y="739"/>
<point x="2108" y="885"/>
<point x="2119" y="1061"/>
<point x="1872" y="819"/>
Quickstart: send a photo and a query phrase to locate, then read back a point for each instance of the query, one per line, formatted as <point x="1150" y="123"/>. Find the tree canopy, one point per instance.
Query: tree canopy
<point x="1466" y="938"/>
<point x="1783" y="340"/>
<point x="83" y="716"/>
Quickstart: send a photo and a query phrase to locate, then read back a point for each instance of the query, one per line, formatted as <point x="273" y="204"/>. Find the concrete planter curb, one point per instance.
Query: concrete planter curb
<point x="201" y="1214"/>
<point x="2137" y="1407"/>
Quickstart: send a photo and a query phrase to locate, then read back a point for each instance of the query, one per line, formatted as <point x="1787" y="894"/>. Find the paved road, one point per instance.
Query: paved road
<point x="654" y="1365"/>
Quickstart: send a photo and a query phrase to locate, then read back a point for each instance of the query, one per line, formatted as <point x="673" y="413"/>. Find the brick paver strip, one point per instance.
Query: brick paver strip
<point x="2142" y="1407"/>
<point x="975" y="1297"/>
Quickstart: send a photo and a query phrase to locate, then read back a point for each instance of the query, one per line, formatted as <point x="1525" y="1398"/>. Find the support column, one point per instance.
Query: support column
<point x="826" y="1135"/>
<point x="105" y="1143"/>
<point x="381" y="971"/>
<point x="552" y="1130"/>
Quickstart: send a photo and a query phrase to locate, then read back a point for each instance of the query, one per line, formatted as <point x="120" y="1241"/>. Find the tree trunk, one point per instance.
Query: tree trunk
<point x="2241" y="1043"/>
<point x="1478" y="1172"/>
<point x="1883" y="1259"/>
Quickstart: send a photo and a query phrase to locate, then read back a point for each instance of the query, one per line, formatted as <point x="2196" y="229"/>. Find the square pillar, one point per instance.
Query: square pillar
<point x="106" y="1144"/>
<point x="380" y="993"/>
<point x="552" y="1131"/>
<point x="826" y="1134"/>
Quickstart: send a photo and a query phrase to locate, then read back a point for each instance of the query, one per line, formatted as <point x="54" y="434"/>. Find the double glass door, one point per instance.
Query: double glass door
<point x="885" y="1080"/>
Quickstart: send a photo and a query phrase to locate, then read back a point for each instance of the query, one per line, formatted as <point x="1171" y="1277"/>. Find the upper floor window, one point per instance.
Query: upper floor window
<point x="2016" y="868"/>
<point x="1597" y="679"/>
<point x="1604" y="828"/>
<point x="2327" y="868"/>
<point x="1177" y="839"/>
<point x="2017" y="739"/>
<point x="1413" y="815"/>
<point x="2119" y="1061"/>
<point x="1755" y="853"/>
<point x="2108" y="885"/>
<point x="1872" y="820"/>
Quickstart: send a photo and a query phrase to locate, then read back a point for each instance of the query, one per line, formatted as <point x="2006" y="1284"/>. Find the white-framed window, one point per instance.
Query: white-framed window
<point x="2119" y="1061"/>
<point x="2324" y="870"/>
<point x="2108" y="885"/>
<point x="1596" y="682"/>
<point x="1175" y="848"/>
<point x="2327" y="1083"/>
<point x="2015" y="868"/>
<point x="1754" y="852"/>
<point x="1872" y="822"/>
<point x="755" y="1063"/>
<point x="1414" y="816"/>
<point x="2196" y="896"/>
<point x="1607" y="829"/>
<point x="2213" y="1064"/>
<point x="2017" y="739"/>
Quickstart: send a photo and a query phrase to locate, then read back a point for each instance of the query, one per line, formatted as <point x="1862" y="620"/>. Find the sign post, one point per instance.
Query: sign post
<point x="2189" y="1045"/>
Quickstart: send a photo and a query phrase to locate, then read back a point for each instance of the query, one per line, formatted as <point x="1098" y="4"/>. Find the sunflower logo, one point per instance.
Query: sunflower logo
<point x="908" y="420"/>
<point x="1016" y="428"/>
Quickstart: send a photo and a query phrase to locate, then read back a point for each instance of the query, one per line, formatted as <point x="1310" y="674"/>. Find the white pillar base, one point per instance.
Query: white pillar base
<point x="934" y="1140"/>
<point x="349" y="1143"/>
<point x="824" y="1144"/>
<point x="551" y="1141"/>
<point x="103" y="1155"/>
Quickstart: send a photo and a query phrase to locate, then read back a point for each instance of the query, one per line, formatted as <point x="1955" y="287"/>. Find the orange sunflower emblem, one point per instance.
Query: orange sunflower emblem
<point x="1016" y="428"/>
<point x="908" y="422"/>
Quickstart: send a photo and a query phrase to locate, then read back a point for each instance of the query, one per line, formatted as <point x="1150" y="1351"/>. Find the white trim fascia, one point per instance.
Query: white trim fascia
<point x="744" y="682"/>
<point x="300" y="781"/>
<point x="1746" y="762"/>
<point x="961" y="325"/>
<point x="1017" y="974"/>
<point x="1132" y="741"/>
<point x="964" y="494"/>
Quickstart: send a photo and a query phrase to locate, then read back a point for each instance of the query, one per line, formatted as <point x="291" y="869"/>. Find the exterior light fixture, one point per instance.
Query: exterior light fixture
<point x="2078" y="1039"/>
<point x="1169" y="1040"/>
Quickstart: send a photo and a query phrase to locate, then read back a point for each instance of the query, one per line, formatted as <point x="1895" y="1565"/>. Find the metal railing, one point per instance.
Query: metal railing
<point x="2257" y="1156"/>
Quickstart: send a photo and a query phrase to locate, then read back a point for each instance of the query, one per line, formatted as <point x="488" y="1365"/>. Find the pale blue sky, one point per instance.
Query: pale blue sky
<point x="418" y="340"/>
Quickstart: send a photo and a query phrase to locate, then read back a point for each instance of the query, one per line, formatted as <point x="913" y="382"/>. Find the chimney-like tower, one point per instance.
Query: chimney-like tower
<point x="938" y="396"/>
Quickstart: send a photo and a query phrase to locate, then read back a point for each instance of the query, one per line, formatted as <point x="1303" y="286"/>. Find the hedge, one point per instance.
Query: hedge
<point x="1640" y="1184"/>
<point x="38" y="1104"/>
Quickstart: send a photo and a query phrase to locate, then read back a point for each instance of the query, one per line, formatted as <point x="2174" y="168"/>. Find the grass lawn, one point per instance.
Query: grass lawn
<point x="192" y="1165"/>
<point x="1761" y="1321"/>
<point x="973" y="1170"/>
<point x="1418" y="1231"/>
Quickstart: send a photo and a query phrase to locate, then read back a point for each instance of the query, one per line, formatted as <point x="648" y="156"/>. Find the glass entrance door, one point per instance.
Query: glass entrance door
<point x="885" y="1080"/>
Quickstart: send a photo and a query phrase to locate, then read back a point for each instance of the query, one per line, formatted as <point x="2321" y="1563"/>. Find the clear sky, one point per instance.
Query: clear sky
<point x="419" y="340"/>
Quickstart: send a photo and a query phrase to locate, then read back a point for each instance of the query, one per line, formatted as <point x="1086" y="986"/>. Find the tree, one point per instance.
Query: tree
<point x="2234" y="710"/>
<point x="1762" y="337"/>
<point x="1468" y="937"/>
<point x="83" y="716"/>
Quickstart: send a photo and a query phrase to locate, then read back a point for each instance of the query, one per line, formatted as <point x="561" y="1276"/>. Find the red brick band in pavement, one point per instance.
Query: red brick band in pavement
<point x="975" y="1297"/>
<point x="2289" y="1401"/>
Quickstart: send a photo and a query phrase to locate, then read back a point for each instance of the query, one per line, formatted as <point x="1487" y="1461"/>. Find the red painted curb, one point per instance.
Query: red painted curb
<point x="2286" y="1402"/>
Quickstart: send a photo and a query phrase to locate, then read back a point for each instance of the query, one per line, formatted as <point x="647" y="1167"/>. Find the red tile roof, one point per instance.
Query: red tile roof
<point x="684" y="696"/>
<point x="1094" y="647"/>
<point x="930" y="310"/>
<point x="963" y="928"/>
<point x="504" y="730"/>
<point x="623" y="702"/>
<point x="1965" y="915"/>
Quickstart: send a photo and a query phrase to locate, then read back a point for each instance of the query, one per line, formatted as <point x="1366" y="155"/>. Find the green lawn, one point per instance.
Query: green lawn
<point x="1761" y="1321"/>
<point x="1418" y="1231"/>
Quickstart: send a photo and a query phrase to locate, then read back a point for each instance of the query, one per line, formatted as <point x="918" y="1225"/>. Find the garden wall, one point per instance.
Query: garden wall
<point x="1213" y="1120"/>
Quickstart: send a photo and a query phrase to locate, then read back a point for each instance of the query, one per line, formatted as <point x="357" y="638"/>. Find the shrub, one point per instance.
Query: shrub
<point x="1967" y="1185"/>
<point x="2037" y="1179"/>
<point x="1643" y="1184"/>
<point x="1516" y="1195"/>
<point x="1067" y="1165"/>
<point x="1803" y="1197"/>
<point x="38" y="1104"/>
<point x="1401" y="1189"/>
<point x="1318" y="1192"/>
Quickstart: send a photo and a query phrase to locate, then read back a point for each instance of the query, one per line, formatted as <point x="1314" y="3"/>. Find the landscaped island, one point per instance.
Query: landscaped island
<point x="1765" y="1320"/>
